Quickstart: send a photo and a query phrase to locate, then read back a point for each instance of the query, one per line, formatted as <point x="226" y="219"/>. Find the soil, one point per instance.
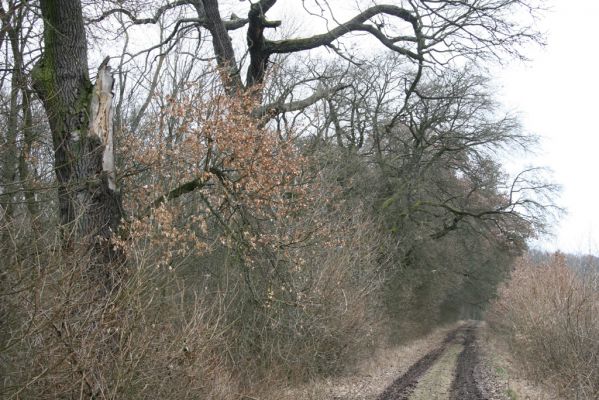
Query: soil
<point x="403" y="386"/>
<point x="465" y="385"/>
<point x="452" y="371"/>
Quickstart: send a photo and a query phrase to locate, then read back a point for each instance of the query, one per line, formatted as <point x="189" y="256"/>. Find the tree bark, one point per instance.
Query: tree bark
<point x="223" y="47"/>
<point x="80" y="118"/>
<point x="256" y="41"/>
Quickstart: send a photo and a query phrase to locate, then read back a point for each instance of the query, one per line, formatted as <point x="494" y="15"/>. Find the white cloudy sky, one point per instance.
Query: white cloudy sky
<point x="557" y="96"/>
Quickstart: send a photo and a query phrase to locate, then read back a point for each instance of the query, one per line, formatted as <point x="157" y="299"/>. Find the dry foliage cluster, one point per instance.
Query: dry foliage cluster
<point x="243" y="176"/>
<point x="548" y="314"/>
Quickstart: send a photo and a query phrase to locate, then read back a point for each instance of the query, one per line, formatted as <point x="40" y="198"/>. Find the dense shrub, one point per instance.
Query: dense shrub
<point x="548" y="314"/>
<point x="209" y="324"/>
<point x="64" y="334"/>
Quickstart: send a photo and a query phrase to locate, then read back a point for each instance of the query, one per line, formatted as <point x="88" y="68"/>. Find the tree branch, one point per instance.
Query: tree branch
<point x="223" y="48"/>
<point x="177" y="192"/>
<point x="142" y="21"/>
<point x="233" y="24"/>
<point x="279" y="107"/>
<point x="354" y="24"/>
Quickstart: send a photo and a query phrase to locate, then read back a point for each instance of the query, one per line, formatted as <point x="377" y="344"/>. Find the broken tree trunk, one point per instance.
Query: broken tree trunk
<point x="80" y="118"/>
<point x="97" y="201"/>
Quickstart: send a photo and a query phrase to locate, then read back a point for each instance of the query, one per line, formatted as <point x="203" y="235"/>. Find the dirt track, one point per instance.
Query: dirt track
<point x="465" y="384"/>
<point x="448" y="372"/>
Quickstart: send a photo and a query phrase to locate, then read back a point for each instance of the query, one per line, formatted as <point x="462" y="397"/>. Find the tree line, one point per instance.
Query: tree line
<point x="291" y="196"/>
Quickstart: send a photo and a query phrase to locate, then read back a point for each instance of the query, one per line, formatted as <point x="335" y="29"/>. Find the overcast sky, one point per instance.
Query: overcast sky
<point x="557" y="96"/>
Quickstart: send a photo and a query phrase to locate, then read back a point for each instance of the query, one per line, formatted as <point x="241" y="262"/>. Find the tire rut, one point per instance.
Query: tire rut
<point x="402" y="387"/>
<point x="465" y="386"/>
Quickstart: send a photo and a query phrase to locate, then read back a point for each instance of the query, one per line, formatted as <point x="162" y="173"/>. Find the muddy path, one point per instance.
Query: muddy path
<point x="465" y="385"/>
<point x="403" y="386"/>
<point x="448" y="372"/>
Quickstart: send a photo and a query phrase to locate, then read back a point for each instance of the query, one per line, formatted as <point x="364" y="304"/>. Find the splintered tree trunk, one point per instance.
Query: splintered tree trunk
<point x="97" y="201"/>
<point x="80" y="117"/>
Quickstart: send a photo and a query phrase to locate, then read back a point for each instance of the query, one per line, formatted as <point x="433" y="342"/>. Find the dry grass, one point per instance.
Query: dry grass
<point x="436" y="383"/>
<point x="507" y="373"/>
<point x="548" y="315"/>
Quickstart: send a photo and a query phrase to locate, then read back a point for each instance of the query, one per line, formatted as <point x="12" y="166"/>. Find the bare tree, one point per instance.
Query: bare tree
<point x="425" y="32"/>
